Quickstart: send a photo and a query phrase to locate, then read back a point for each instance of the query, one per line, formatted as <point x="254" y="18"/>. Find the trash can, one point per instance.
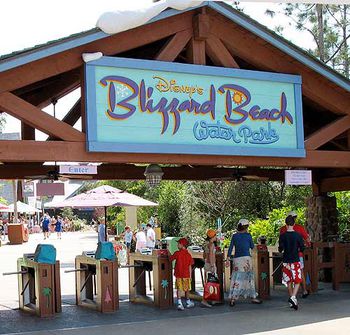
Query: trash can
<point x="16" y="234"/>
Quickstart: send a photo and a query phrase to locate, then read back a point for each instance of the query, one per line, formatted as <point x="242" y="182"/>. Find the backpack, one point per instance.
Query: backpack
<point x="105" y="250"/>
<point x="45" y="253"/>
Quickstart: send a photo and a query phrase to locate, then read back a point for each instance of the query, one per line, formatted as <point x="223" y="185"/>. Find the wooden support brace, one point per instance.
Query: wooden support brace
<point x="196" y="52"/>
<point x="201" y="27"/>
<point x="72" y="116"/>
<point x="174" y="46"/>
<point x="41" y="151"/>
<point x="38" y="119"/>
<point x="327" y="133"/>
<point x="218" y="53"/>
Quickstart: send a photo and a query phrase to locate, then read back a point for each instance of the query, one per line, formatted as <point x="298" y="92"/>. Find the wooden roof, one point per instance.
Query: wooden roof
<point x="211" y="34"/>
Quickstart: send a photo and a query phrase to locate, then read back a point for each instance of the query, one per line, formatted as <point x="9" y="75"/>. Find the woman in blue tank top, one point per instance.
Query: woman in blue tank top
<point x="242" y="278"/>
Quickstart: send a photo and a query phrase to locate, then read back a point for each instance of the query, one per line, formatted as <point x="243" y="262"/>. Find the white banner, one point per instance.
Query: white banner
<point x="298" y="177"/>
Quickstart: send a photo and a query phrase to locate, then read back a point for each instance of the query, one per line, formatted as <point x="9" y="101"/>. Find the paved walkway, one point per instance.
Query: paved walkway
<point x="326" y="312"/>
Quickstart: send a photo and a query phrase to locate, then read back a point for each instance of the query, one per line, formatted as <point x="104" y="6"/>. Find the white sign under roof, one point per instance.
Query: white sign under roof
<point x="298" y="177"/>
<point x="78" y="169"/>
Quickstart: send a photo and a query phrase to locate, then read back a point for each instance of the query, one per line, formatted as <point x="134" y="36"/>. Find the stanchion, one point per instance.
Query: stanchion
<point x="39" y="289"/>
<point x="159" y="270"/>
<point x="96" y="283"/>
<point x="261" y="265"/>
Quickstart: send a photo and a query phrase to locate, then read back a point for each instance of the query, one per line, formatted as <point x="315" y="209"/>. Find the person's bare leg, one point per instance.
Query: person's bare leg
<point x="304" y="282"/>
<point x="295" y="290"/>
<point x="290" y="289"/>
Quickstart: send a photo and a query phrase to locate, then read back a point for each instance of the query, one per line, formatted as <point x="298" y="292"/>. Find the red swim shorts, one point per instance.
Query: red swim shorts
<point x="291" y="272"/>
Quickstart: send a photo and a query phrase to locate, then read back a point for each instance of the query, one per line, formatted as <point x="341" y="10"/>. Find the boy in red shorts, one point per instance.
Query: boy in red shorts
<point x="291" y="243"/>
<point x="183" y="268"/>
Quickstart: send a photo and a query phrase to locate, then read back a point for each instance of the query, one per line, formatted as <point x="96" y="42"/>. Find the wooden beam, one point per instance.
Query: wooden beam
<point x="327" y="133"/>
<point x="27" y="132"/>
<point x="196" y="52"/>
<point x="65" y="151"/>
<point x="41" y="94"/>
<point x="71" y="59"/>
<point x="174" y="46"/>
<point x="72" y="116"/>
<point x="218" y="53"/>
<point x="38" y="119"/>
<point x="336" y="184"/>
<point x="133" y="172"/>
<point x="201" y="27"/>
<point x="266" y="57"/>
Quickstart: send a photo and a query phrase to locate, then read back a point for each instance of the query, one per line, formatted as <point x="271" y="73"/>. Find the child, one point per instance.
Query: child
<point x="58" y="227"/>
<point x="209" y="258"/>
<point x="183" y="268"/>
<point x="306" y="238"/>
<point x="128" y="235"/>
<point x="291" y="243"/>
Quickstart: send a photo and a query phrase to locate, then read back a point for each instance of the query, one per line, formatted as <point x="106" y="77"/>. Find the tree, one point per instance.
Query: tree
<point x="329" y="26"/>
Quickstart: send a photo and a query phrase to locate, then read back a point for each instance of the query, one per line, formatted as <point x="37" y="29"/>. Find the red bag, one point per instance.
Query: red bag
<point x="212" y="291"/>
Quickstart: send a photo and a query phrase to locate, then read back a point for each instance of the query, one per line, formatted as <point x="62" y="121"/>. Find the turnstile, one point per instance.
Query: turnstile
<point x="159" y="265"/>
<point x="39" y="287"/>
<point x="96" y="283"/>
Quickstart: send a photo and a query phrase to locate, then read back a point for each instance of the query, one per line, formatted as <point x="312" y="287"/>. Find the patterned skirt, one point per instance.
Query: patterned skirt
<point x="242" y="279"/>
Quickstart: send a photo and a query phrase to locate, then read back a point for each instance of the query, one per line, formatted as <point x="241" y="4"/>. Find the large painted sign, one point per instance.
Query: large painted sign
<point x="140" y="106"/>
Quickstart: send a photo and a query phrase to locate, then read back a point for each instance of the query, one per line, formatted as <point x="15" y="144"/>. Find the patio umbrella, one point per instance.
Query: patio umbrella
<point x="2" y="206"/>
<point x="103" y="196"/>
<point x="21" y="208"/>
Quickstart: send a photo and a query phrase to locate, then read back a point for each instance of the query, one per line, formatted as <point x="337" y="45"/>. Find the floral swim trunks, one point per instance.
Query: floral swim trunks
<point x="183" y="284"/>
<point x="291" y="272"/>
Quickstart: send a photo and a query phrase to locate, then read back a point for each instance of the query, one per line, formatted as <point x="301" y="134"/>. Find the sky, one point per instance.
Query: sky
<point x="24" y="24"/>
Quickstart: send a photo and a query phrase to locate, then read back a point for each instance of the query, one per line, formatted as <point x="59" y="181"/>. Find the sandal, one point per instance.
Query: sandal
<point x="256" y="301"/>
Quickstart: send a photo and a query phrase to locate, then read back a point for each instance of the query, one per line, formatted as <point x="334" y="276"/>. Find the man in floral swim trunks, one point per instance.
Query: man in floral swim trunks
<point x="291" y="243"/>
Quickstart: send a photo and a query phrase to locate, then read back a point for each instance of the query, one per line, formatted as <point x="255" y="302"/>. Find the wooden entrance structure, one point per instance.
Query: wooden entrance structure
<point x="211" y="34"/>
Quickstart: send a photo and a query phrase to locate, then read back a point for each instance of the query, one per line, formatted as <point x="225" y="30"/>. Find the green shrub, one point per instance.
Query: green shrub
<point x="79" y="224"/>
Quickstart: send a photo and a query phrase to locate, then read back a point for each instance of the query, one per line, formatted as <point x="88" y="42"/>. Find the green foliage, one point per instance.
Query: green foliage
<point x="171" y="196"/>
<point x="343" y="206"/>
<point x="329" y="27"/>
<point x="79" y="224"/>
<point x="270" y="227"/>
<point x="67" y="212"/>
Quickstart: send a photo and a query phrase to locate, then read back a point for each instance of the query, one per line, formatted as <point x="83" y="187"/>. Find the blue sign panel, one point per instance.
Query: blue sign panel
<point x="140" y="106"/>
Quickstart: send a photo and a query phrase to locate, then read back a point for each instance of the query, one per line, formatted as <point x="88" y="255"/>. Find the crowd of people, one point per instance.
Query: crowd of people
<point x="54" y="224"/>
<point x="292" y="241"/>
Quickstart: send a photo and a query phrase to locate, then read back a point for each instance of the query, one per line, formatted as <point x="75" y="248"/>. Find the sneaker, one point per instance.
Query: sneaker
<point x="190" y="304"/>
<point x="205" y="304"/>
<point x="305" y="295"/>
<point x="180" y="307"/>
<point x="294" y="302"/>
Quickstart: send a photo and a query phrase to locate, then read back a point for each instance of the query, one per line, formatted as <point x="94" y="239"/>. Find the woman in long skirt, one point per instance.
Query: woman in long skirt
<point x="242" y="278"/>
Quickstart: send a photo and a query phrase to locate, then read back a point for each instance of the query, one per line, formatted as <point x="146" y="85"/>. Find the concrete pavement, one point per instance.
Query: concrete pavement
<point x="326" y="312"/>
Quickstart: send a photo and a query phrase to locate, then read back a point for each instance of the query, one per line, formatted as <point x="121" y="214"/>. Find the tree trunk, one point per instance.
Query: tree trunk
<point x="345" y="45"/>
<point x="320" y="31"/>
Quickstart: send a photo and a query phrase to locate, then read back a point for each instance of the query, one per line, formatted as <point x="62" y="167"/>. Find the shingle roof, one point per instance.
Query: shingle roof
<point x="21" y="57"/>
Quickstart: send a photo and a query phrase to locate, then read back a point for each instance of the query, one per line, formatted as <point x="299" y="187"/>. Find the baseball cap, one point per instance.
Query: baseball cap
<point x="292" y="213"/>
<point x="243" y="222"/>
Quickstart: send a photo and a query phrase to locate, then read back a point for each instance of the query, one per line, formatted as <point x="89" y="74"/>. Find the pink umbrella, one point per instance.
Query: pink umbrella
<point x="2" y="206"/>
<point x="103" y="196"/>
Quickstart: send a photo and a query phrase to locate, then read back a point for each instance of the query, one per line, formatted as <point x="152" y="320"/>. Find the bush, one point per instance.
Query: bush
<point x="79" y="224"/>
<point x="271" y="227"/>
